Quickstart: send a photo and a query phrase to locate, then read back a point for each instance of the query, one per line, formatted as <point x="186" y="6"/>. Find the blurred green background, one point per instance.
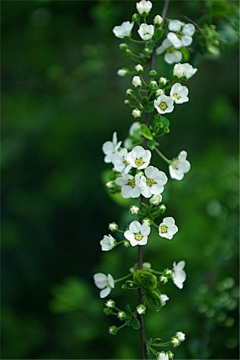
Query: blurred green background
<point x="61" y="99"/>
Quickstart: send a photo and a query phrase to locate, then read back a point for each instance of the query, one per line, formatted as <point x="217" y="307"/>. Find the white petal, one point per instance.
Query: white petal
<point x="169" y="221"/>
<point x="105" y="292"/>
<point x="100" y="280"/>
<point x="129" y="235"/>
<point x="110" y="280"/>
<point x="188" y="29"/>
<point x="135" y="226"/>
<point x="145" y="230"/>
<point x="174" y="40"/>
<point x="175" y="25"/>
<point x="186" y="40"/>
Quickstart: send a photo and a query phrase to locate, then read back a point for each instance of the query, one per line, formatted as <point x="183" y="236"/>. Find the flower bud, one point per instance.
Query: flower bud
<point x="129" y="92"/>
<point x="122" y="315"/>
<point x="128" y="52"/>
<point x="163" y="279"/>
<point x="134" y="210"/>
<point x="123" y="72"/>
<point x="110" y="184"/>
<point x="136" y="113"/>
<point x="147" y="265"/>
<point x="152" y="73"/>
<point x="162" y="208"/>
<point x="141" y="309"/>
<point x="136" y="18"/>
<point x="158" y="20"/>
<point x="153" y="85"/>
<point x="123" y="47"/>
<point x="146" y="221"/>
<point x="156" y="199"/>
<point x="137" y="82"/>
<point x="139" y="68"/>
<point x="159" y="92"/>
<point x="113" y="226"/>
<point x="107" y="311"/>
<point x="162" y="81"/>
<point x="180" y="335"/>
<point x="110" y="303"/>
<point x="175" y="342"/>
<point x="113" y="330"/>
<point x="147" y="52"/>
<point x="126" y="244"/>
<point x="127" y="102"/>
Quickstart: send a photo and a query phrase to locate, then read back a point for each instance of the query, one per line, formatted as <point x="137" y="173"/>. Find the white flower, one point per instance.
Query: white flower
<point x="134" y="210"/>
<point x="180" y="335"/>
<point x="107" y="243"/>
<point x="146" y="31"/>
<point x="141" y="309"/>
<point x="179" y="166"/>
<point x="153" y="183"/>
<point x="178" y="274"/>
<point x="156" y="199"/>
<point x="158" y="20"/>
<point x="122" y="72"/>
<point x="182" y="35"/>
<point x="163" y="356"/>
<point x="171" y="54"/>
<point x="139" y="68"/>
<point x="164" y="298"/>
<point x="136" y="81"/>
<point x="144" y="7"/>
<point x="163" y="81"/>
<point x="136" y="113"/>
<point x="184" y="70"/>
<point x="119" y="161"/>
<point x="129" y="186"/>
<point x="110" y="147"/>
<point x="164" y="104"/>
<point x="168" y="228"/>
<point x="139" y="157"/>
<point x="105" y="282"/>
<point x="137" y="233"/>
<point x="123" y="30"/>
<point x="179" y="93"/>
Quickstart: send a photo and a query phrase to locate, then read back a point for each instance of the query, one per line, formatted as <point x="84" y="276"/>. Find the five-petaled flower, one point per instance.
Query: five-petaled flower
<point x="179" y="166"/>
<point x="146" y="31"/>
<point x="110" y="147"/>
<point x="105" y="282"/>
<point x="179" y="93"/>
<point x="143" y="7"/>
<point x="171" y="55"/>
<point x="164" y="104"/>
<point x="180" y="34"/>
<point x="153" y="183"/>
<point x="178" y="274"/>
<point x="107" y="243"/>
<point x="184" y="70"/>
<point x="139" y="157"/>
<point x="119" y="160"/>
<point x="137" y="233"/>
<point x="123" y="30"/>
<point x="168" y="228"/>
<point x="129" y="185"/>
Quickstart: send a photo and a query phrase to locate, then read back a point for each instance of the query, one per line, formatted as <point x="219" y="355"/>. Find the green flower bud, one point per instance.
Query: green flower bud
<point x="127" y="102"/>
<point x="107" y="311"/>
<point x="147" y="265"/>
<point x="141" y="309"/>
<point x="129" y="92"/>
<point x="113" y="330"/>
<point x="162" y="208"/>
<point x="153" y="85"/>
<point x="122" y="315"/>
<point x="128" y="52"/>
<point x="139" y="68"/>
<point x="147" y="52"/>
<point x="126" y="244"/>
<point x="152" y="73"/>
<point x="136" y="18"/>
<point x="123" y="47"/>
<point x="110" y="303"/>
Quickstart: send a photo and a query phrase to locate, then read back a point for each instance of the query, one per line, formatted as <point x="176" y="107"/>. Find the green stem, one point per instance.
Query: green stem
<point x="123" y="278"/>
<point x="162" y="156"/>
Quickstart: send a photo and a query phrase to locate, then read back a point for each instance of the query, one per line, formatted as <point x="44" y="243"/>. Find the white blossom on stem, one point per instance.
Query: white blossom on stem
<point x="184" y="70"/>
<point x="129" y="186"/>
<point x="136" y="113"/>
<point x="178" y="274"/>
<point x="179" y="93"/>
<point x="171" y="55"/>
<point x="105" y="282"/>
<point x="137" y="233"/>
<point x="168" y="228"/>
<point x="146" y="31"/>
<point x="179" y="166"/>
<point x="119" y="161"/>
<point x="164" y="104"/>
<point x="156" y="199"/>
<point x="136" y="81"/>
<point x="139" y="157"/>
<point x="123" y="30"/>
<point x="163" y="356"/>
<point x="180" y="335"/>
<point x="164" y="298"/>
<point x="153" y="183"/>
<point x="180" y="34"/>
<point x="107" y="243"/>
<point x="144" y="7"/>
<point x="110" y="147"/>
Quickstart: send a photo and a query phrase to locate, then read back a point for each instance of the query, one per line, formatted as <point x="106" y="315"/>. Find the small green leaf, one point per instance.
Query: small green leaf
<point x="165" y="121"/>
<point x="150" y="107"/>
<point x="154" y="299"/>
<point x="135" y="324"/>
<point x="146" y="132"/>
<point x="128" y="308"/>
<point x="185" y="53"/>
<point x="145" y="279"/>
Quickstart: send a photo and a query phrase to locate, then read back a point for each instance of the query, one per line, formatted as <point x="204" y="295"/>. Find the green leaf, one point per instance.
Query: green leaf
<point x="146" y="132"/>
<point x="154" y="299"/>
<point x="150" y="107"/>
<point x="165" y="121"/>
<point x="135" y="324"/>
<point x="128" y="309"/>
<point x="185" y="53"/>
<point x="145" y="279"/>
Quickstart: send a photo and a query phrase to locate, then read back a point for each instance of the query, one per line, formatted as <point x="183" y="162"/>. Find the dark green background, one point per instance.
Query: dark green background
<point x="61" y="99"/>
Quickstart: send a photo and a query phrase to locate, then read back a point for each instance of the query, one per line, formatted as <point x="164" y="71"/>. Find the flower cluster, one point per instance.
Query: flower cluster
<point x="134" y="176"/>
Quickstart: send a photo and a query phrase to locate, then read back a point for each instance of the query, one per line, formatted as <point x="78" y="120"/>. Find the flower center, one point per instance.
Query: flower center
<point x="170" y="49"/>
<point x="163" y="105"/>
<point x="138" y="236"/>
<point x="139" y="162"/>
<point x="150" y="182"/>
<point x="131" y="182"/>
<point x="163" y="229"/>
<point x="125" y="162"/>
<point x="179" y="34"/>
<point x="175" y="164"/>
<point x="176" y="96"/>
